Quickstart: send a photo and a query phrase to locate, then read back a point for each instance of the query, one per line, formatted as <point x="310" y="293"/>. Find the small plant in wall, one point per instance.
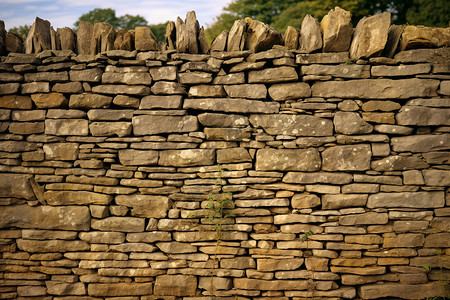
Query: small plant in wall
<point x="442" y="279"/>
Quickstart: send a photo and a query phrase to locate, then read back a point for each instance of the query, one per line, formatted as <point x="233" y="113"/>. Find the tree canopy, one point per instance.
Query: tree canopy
<point x="109" y="15"/>
<point x="281" y="13"/>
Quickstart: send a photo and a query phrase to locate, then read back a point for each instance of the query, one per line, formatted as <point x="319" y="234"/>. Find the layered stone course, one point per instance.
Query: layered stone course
<point x="107" y="162"/>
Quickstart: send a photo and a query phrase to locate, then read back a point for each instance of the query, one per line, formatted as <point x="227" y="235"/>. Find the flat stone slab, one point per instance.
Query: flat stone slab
<point x="232" y="105"/>
<point x="288" y="160"/>
<point x="148" y="125"/>
<point x="296" y="125"/>
<point x="376" y="88"/>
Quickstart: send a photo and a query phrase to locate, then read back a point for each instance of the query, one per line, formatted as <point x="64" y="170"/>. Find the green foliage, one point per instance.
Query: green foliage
<point x="109" y="15"/>
<point x="159" y="30"/>
<point x="306" y="235"/>
<point x="22" y="30"/>
<point x="429" y="13"/>
<point x="223" y="22"/>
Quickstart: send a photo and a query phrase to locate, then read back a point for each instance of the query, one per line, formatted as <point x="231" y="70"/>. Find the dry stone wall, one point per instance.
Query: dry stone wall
<point x="334" y="174"/>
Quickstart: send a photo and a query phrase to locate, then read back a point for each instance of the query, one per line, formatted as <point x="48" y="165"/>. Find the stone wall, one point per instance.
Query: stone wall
<point x="334" y="173"/>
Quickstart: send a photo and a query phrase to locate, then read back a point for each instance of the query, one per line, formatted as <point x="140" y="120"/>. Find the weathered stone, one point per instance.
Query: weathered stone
<point x="103" y="238"/>
<point x="121" y="224"/>
<point x="376" y="88"/>
<point x="310" y="35"/>
<point x="164" y="73"/>
<point x="337" y="30"/>
<point x="186" y="158"/>
<point x="191" y="32"/>
<point x="76" y="198"/>
<point x="109" y="114"/>
<point x="217" y="283"/>
<point x="351" y="123"/>
<point x="61" y="151"/>
<point x="46" y="217"/>
<point x="195" y="77"/>
<point x="26" y="127"/>
<point x="296" y="125"/>
<point x="364" y="219"/>
<point x="67" y="38"/>
<point x="251" y="91"/>
<point x="273" y="285"/>
<point x="407" y="199"/>
<point x="147" y="206"/>
<point x="9" y="88"/>
<point x="344" y="71"/>
<point x="38" y="38"/>
<point x="287" y="91"/>
<point x="104" y="36"/>
<point x="436" y="177"/>
<point x="176" y="285"/>
<point x="85" y="38"/>
<point x="126" y="101"/>
<point x="317" y="177"/>
<point x="322" y="58"/>
<point x="370" y="36"/>
<point x="424" y="37"/>
<point x="127" y="78"/>
<point x="2" y="38"/>
<point x="35" y="87"/>
<point x="87" y="101"/>
<point x="288" y="160"/>
<point x="273" y="75"/>
<point x="139" y="90"/>
<point x="421" y="143"/>
<point x="346" y="158"/>
<point x="219" y="43"/>
<point x="167" y="88"/>
<point x="176" y="247"/>
<point x="406" y="240"/>
<point x="66" y="127"/>
<point x="399" y="163"/>
<point x="290" y="38"/>
<point x="51" y="246"/>
<point x="232" y="105"/>
<point x="402" y="70"/>
<point x="232" y="155"/>
<point x="14" y="43"/>
<point x="124" y="40"/>
<point x="118" y="289"/>
<point x="237" y="36"/>
<point x="207" y="91"/>
<point x="120" y="129"/>
<point x="16" y="102"/>
<point x="404" y="291"/>
<point x="260" y="36"/>
<point x="138" y="157"/>
<point x="343" y="200"/>
<point x="170" y="36"/>
<point x="423" y="116"/>
<point x="375" y="105"/>
<point x="222" y="120"/>
<point x="68" y="88"/>
<point x="305" y="200"/>
<point x="147" y="125"/>
<point x="65" y="288"/>
<point x="88" y="75"/>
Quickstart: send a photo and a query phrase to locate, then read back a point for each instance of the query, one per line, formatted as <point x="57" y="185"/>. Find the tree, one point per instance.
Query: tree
<point x="21" y="30"/>
<point x="223" y="22"/>
<point x="109" y="15"/>
<point x="424" y="12"/>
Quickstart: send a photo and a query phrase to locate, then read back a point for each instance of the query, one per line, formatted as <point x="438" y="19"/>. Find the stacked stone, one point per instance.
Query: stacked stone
<point x="107" y="163"/>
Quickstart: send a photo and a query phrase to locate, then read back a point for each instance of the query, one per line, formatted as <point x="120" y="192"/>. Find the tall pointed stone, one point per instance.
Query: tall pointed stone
<point x="337" y="30"/>
<point x="170" y="36"/>
<point x="202" y="43"/>
<point x="290" y="38"/>
<point x="144" y="39"/>
<point x="124" y="40"/>
<point x="39" y="38"/>
<point x="2" y="38"/>
<point x="394" y="35"/>
<point x="104" y="37"/>
<point x="66" y="37"/>
<point x="14" y="43"/>
<point x="220" y="42"/>
<point x="310" y="35"/>
<point x="192" y="30"/>
<point x="85" y="38"/>
<point x="370" y="36"/>
<point x="182" y="38"/>
<point x="237" y="36"/>
<point x="56" y="43"/>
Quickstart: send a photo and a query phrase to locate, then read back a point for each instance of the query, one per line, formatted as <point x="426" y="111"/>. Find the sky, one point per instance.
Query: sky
<point x="64" y="13"/>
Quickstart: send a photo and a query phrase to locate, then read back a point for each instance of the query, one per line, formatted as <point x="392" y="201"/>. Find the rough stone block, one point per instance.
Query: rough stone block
<point x="232" y="105"/>
<point x="147" y="206"/>
<point x="296" y="125"/>
<point x="337" y="30"/>
<point x="118" y="289"/>
<point x="76" y="198"/>
<point x="45" y="217"/>
<point x="148" y="125"/>
<point x="250" y="91"/>
<point x="61" y="151"/>
<point x="233" y="155"/>
<point x="34" y="246"/>
<point x="273" y="75"/>
<point x="376" y="88"/>
<point x="404" y="291"/>
<point x="399" y="163"/>
<point x="421" y="143"/>
<point x="289" y="91"/>
<point x="407" y="199"/>
<point x="138" y="157"/>
<point x="288" y="160"/>
<point x="67" y="127"/>
<point x="176" y="285"/>
<point x="423" y="116"/>
<point x="121" y="224"/>
<point x="119" y="129"/>
<point x="343" y="200"/>
<point x="50" y="100"/>
<point x="187" y="158"/>
<point x="65" y="288"/>
<point x="351" y="123"/>
<point x="364" y="219"/>
<point x="347" y="158"/>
